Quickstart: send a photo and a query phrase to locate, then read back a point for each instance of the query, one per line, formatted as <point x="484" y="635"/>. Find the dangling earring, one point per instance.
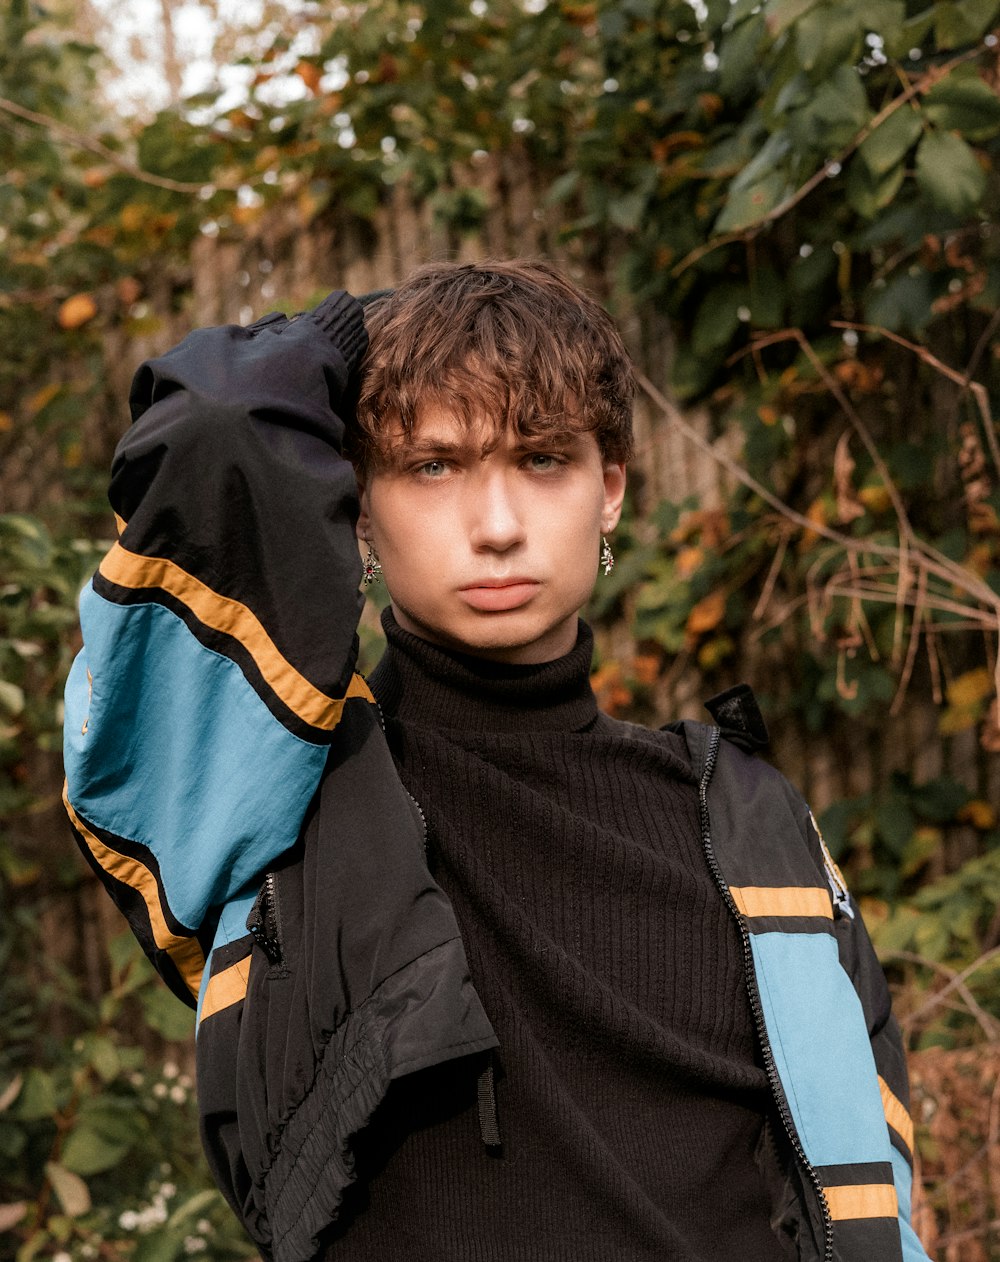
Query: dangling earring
<point x="607" y="556"/>
<point x="371" y="569"/>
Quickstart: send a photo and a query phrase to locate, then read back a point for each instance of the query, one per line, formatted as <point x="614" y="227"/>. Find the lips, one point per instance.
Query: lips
<point x="499" y="595"/>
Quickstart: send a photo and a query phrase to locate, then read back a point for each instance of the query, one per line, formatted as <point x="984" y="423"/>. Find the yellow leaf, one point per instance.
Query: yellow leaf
<point x="132" y="216"/>
<point x="707" y="614"/>
<point x="979" y="814"/>
<point x="76" y="311"/>
<point x="972" y="687"/>
<point x="816" y="512"/>
<point x="876" y="499"/>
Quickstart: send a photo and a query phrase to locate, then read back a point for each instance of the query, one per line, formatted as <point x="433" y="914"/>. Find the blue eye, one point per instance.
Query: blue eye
<point x="543" y="460"/>
<point x="433" y="468"/>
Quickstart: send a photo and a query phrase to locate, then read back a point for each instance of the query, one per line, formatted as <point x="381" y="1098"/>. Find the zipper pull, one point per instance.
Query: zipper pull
<point x="260" y="922"/>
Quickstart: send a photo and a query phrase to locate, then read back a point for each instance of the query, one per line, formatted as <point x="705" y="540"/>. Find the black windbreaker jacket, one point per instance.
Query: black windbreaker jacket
<point x="229" y="781"/>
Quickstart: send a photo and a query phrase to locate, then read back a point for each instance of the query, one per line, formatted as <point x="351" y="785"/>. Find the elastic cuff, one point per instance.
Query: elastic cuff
<point x="341" y="317"/>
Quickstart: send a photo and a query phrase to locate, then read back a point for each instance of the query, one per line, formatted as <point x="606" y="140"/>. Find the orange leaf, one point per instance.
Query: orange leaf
<point x="979" y="814"/>
<point x="707" y="614"/>
<point x="310" y="74"/>
<point x="646" y="668"/>
<point x="6" y="422"/>
<point x="41" y="398"/>
<point x="129" y="290"/>
<point x="688" y="560"/>
<point x="76" y="311"/>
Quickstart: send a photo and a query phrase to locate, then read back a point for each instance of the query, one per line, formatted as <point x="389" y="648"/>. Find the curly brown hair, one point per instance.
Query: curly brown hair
<point x="513" y="343"/>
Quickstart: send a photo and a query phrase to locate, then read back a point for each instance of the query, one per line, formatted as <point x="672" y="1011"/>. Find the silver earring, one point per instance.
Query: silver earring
<point x="607" y="556"/>
<point x="371" y="569"/>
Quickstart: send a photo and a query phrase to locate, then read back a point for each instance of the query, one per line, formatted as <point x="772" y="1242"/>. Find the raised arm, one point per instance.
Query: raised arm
<point x="219" y="631"/>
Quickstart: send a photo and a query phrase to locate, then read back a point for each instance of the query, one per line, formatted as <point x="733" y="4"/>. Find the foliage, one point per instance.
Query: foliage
<point x="806" y="193"/>
<point x="100" y="1150"/>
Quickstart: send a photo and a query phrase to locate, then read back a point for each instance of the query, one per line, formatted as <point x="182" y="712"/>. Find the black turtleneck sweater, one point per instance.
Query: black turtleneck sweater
<point x="629" y="1088"/>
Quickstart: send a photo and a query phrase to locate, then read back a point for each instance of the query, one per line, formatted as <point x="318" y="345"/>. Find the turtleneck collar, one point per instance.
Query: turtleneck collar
<point x="429" y="686"/>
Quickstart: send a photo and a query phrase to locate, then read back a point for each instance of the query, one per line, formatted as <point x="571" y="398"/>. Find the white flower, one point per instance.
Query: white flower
<point x="129" y="1220"/>
<point x="178" y="1094"/>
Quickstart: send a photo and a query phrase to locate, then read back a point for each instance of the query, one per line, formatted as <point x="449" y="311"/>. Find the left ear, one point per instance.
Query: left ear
<point x="614" y="495"/>
<point x="363" y="526"/>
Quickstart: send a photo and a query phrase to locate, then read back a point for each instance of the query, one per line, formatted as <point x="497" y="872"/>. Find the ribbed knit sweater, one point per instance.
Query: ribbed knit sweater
<point x="629" y="1088"/>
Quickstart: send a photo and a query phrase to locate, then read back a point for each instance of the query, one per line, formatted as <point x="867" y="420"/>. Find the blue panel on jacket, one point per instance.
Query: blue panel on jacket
<point x="181" y="755"/>
<point x="823" y="1054"/>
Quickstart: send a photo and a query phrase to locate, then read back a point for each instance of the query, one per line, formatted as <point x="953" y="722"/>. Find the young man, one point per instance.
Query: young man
<point x="482" y="974"/>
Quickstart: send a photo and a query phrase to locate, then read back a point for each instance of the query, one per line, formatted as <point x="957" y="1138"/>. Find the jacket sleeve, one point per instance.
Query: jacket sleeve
<point x="219" y="631"/>
<point x="858" y="958"/>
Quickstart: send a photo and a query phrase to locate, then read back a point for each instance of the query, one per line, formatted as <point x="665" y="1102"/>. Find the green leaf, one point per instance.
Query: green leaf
<point x="910" y="34"/>
<point x="902" y="304"/>
<point x="166" y="1014"/>
<point x="86" y="1151"/>
<point x="895" y="823"/>
<point x="949" y="173"/>
<point x="37" y="1098"/>
<point x="884" y="17"/>
<point x="627" y="212"/>
<point x="159" y="1246"/>
<point x="939" y="800"/>
<point x="739" y="57"/>
<point x="71" y="1191"/>
<point x="959" y="22"/>
<point x="563" y="187"/>
<point x="11" y="698"/>
<point x="964" y="103"/>
<point x="718" y="318"/>
<point x="867" y="193"/>
<point x="781" y="14"/>
<point x="828" y="37"/>
<point x="889" y="143"/>
<point x="746" y="206"/>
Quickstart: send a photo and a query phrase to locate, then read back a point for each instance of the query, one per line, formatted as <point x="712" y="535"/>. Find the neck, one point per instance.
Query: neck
<point x="430" y="685"/>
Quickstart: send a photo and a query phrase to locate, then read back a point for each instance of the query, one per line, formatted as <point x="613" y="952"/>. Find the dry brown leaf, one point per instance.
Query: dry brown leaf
<point x="848" y="507"/>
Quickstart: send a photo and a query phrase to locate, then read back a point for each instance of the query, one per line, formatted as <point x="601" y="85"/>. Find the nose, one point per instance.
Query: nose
<point x="496" y="522"/>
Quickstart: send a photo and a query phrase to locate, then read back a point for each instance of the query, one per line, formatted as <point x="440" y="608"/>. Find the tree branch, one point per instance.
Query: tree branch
<point x="70" y="136"/>
<point x="923" y="84"/>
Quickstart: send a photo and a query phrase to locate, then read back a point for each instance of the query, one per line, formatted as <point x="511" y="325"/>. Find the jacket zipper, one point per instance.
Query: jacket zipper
<point x="773" y="1078"/>
<point x="419" y="809"/>
<point x="838" y="886"/>
<point x="263" y="922"/>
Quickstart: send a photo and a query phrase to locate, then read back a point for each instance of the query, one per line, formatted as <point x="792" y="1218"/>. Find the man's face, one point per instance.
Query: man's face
<point x="490" y="549"/>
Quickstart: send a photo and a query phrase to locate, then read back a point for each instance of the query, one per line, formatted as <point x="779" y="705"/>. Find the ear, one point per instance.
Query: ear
<point x="614" y="495"/>
<point x="363" y="528"/>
